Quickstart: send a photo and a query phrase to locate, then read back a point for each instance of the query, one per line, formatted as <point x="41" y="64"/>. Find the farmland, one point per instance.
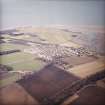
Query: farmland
<point x="20" y="61"/>
<point x="60" y="60"/>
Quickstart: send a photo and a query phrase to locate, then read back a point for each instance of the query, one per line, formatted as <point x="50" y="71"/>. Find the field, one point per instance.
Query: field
<point x="53" y="79"/>
<point x="92" y="95"/>
<point x="9" y="46"/>
<point x="16" y="96"/>
<point x="19" y="61"/>
<point x="27" y="61"/>
<point x="88" y="69"/>
<point x="46" y="32"/>
<point x="48" y="66"/>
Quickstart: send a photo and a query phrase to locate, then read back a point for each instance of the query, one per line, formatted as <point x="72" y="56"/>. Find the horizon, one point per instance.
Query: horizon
<point x="47" y="13"/>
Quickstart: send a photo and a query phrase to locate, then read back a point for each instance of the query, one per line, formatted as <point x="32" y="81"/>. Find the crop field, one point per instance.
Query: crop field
<point x="26" y="61"/>
<point x="95" y="94"/>
<point x="8" y="46"/>
<point x="49" y="34"/>
<point x="52" y="52"/>
<point x="18" y="58"/>
<point x="53" y="79"/>
<point x="85" y="70"/>
<point x="46" y="65"/>
<point x="19" y="61"/>
<point x="16" y="96"/>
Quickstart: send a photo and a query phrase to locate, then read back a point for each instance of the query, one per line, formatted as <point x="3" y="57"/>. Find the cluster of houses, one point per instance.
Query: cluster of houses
<point x="51" y="51"/>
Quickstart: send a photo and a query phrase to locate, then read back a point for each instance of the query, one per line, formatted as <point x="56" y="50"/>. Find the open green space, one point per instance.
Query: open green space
<point x="9" y="46"/>
<point x="21" y="61"/>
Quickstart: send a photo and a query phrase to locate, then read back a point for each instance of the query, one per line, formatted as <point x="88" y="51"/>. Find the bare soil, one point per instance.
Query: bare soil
<point x="91" y="95"/>
<point x="14" y="94"/>
<point x="47" y="83"/>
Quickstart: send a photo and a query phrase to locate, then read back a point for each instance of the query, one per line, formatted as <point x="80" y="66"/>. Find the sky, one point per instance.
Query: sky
<point x="17" y="13"/>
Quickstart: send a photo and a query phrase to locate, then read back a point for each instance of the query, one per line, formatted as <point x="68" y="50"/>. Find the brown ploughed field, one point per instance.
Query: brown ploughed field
<point x="92" y="95"/>
<point x="46" y="83"/>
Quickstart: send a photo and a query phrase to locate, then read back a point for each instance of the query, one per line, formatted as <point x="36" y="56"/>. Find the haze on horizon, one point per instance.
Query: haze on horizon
<point x="17" y="13"/>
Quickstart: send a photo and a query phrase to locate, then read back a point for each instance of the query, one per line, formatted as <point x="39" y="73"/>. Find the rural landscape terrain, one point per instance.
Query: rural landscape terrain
<point x="53" y="65"/>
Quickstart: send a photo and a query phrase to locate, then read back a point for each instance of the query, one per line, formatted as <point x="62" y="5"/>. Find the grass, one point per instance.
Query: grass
<point x="9" y="80"/>
<point x="33" y="65"/>
<point x="24" y="61"/>
<point x="8" y="46"/>
<point x="21" y="61"/>
<point x="13" y="57"/>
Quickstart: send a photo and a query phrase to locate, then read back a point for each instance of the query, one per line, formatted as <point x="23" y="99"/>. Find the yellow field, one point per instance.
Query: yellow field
<point x="88" y="69"/>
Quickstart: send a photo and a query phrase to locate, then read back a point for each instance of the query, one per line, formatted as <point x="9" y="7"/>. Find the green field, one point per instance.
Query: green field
<point x="8" y="46"/>
<point x="19" y="60"/>
<point x="26" y="61"/>
<point x="22" y="61"/>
